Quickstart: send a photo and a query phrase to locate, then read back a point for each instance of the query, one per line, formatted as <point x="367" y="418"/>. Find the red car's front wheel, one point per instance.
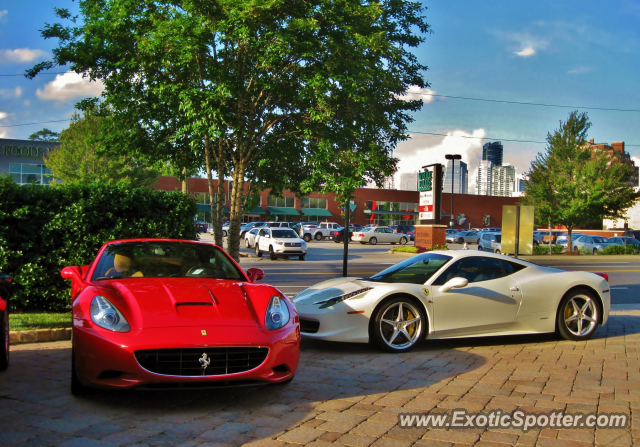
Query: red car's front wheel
<point x="4" y="348"/>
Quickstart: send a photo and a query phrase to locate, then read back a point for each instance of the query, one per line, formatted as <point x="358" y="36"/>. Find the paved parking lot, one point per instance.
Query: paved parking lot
<point x="343" y="394"/>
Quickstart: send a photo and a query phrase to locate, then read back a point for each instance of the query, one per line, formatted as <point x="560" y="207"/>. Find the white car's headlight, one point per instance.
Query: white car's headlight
<point x="275" y="241"/>
<point x="277" y="314"/>
<point x="107" y="316"/>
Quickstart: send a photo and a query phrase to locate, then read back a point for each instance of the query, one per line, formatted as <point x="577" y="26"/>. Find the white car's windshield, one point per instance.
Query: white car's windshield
<point x="284" y="234"/>
<point x="415" y="270"/>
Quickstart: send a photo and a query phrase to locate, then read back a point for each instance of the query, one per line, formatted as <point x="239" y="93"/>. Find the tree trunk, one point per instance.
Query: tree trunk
<point x="237" y="210"/>
<point x="569" y="243"/>
<point x="184" y="181"/>
<point x="212" y="202"/>
<point x="220" y="196"/>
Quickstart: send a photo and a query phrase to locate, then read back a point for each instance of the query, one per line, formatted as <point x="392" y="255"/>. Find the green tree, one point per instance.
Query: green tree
<point x="45" y="135"/>
<point x="282" y="93"/>
<point x="573" y="186"/>
<point x="78" y="159"/>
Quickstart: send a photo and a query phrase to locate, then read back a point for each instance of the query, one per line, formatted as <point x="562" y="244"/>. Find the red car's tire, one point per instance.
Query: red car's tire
<point x="4" y="347"/>
<point x="77" y="388"/>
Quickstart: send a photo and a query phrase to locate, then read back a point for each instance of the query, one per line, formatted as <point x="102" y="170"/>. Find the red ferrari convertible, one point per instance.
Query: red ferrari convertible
<point x="169" y="313"/>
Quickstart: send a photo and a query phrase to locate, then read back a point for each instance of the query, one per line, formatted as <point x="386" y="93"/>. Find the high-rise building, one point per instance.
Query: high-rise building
<point x="522" y="184"/>
<point x="483" y="178"/>
<point x="503" y="181"/>
<point x="460" y="177"/>
<point x="493" y="152"/>
<point x="409" y="181"/>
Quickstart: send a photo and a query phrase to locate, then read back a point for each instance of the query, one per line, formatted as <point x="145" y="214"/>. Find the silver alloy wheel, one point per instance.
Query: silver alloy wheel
<point x="403" y="241"/>
<point x="246" y="243"/>
<point x="578" y="310"/>
<point x="373" y="241"/>
<point x="401" y="325"/>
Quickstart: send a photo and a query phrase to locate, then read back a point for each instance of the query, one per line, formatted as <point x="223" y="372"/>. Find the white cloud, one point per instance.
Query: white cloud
<point x="424" y="150"/>
<point x="3" y="13"/>
<point x="3" y="115"/>
<point x="21" y="55"/>
<point x="581" y="70"/>
<point x="11" y="93"/>
<point x="69" y="85"/>
<point x="526" y="52"/>
<point x="414" y="93"/>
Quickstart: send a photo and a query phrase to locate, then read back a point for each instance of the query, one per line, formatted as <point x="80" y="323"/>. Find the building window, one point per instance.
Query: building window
<point x="393" y="214"/>
<point x="282" y="202"/>
<point x="314" y="203"/>
<point x="25" y="174"/>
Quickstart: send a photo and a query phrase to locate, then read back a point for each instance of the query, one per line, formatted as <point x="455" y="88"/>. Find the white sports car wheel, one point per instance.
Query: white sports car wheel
<point x="398" y="325"/>
<point x="578" y="316"/>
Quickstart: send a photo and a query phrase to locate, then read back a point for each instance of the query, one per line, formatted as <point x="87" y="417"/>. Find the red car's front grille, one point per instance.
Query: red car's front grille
<point x="191" y="361"/>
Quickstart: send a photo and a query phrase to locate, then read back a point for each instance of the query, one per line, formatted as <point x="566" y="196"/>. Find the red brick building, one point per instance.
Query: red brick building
<point x="379" y="206"/>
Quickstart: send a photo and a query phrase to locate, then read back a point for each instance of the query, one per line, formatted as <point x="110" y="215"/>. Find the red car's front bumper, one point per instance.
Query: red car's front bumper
<point x="106" y="359"/>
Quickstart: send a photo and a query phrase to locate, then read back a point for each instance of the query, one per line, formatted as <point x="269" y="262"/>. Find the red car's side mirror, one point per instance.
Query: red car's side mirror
<point x="72" y="273"/>
<point x="255" y="274"/>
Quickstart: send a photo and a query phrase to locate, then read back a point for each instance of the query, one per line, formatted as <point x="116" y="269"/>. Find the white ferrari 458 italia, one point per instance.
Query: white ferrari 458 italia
<point x="453" y="294"/>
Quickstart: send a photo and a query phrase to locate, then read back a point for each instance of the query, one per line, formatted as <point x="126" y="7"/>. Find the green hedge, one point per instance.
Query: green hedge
<point x="620" y="250"/>
<point x="43" y="229"/>
<point x="544" y="249"/>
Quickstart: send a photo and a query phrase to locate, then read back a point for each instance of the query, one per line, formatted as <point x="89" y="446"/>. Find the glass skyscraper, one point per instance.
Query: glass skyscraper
<point x="493" y="152"/>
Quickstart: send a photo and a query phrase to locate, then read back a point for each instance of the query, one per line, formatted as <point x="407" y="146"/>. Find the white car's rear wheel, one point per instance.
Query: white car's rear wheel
<point x="578" y="316"/>
<point x="398" y="325"/>
<point x="306" y="237"/>
<point x="318" y="237"/>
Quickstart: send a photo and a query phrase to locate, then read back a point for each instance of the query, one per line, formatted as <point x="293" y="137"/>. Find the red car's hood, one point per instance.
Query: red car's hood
<point x="185" y="302"/>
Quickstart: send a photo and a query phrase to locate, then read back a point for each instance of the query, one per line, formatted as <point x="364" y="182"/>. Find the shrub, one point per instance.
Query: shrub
<point x="544" y="249"/>
<point x="620" y="250"/>
<point x="43" y="229"/>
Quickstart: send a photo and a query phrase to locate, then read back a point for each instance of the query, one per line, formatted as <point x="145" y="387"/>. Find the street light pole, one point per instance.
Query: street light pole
<point x="453" y="158"/>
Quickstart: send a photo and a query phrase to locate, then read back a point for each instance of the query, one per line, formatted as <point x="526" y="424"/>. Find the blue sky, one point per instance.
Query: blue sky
<point x="581" y="53"/>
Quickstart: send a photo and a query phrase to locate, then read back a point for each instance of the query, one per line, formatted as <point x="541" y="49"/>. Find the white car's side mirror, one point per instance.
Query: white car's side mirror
<point x="454" y="283"/>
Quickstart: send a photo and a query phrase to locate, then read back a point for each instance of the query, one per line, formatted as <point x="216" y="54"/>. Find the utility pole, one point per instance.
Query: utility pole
<point x="345" y="237"/>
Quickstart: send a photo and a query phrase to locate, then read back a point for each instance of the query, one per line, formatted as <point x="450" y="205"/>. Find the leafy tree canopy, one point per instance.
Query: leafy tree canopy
<point x="78" y="160"/>
<point x="571" y="185"/>
<point x="45" y="135"/>
<point x="296" y="94"/>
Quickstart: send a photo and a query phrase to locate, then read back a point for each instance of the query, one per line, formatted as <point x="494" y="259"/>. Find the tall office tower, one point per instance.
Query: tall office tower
<point x="493" y="152"/>
<point x="388" y="182"/>
<point x="503" y="181"/>
<point x="460" y="178"/>
<point x="409" y="181"/>
<point x="483" y="178"/>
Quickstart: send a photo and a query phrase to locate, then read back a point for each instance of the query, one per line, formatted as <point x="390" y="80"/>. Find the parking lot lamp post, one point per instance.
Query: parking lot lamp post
<point x="453" y="158"/>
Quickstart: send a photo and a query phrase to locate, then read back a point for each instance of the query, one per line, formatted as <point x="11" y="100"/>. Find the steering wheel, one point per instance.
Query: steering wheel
<point x="205" y="270"/>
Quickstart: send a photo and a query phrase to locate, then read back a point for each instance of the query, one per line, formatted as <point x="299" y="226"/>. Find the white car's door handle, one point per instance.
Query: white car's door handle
<point x="514" y="288"/>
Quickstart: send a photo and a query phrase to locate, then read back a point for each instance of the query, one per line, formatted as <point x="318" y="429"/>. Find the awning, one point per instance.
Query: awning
<point x="206" y="208"/>
<point x="316" y="212"/>
<point x="283" y="211"/>
<point x="256" y="210"/>
<point x="408" y="213"/>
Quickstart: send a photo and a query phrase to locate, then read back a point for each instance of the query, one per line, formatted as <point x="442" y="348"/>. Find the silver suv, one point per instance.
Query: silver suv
<point x="490" y="242"/>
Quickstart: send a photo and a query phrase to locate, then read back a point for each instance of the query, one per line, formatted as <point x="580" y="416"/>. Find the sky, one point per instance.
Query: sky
<point x="584" y="54"/>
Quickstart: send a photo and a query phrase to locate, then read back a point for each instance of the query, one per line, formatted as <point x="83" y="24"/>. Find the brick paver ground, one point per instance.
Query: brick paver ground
<point x="343" y="394"/>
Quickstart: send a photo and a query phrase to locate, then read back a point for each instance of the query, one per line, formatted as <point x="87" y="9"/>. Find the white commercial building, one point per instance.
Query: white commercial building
<point x="483" y="178"/>
<point x="460" y="177"/>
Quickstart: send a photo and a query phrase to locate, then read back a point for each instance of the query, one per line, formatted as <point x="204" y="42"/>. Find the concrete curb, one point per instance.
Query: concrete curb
<point x="39" y="335"/>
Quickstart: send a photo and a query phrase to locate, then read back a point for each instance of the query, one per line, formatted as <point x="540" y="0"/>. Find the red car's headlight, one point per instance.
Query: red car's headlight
<point x="277" y="314"/>
<point x="107" y="316"/>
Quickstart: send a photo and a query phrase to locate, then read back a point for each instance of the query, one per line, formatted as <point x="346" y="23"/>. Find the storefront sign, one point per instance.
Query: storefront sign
<point x="24" y="151"/>
<point x="430" y="189"/>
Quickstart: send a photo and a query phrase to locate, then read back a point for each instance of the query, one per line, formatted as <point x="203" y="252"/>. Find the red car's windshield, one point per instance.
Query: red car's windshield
<point x="164" y="259"/>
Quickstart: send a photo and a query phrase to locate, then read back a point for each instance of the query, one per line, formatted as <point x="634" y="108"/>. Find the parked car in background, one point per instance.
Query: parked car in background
<point x="409" y="230"/>
<point x="324" y="229"/>
<point x="493" y="230"/>
<point x="280" y="242"/>
<point x="488" y="241"/>
<point x="5" y="280"/>
<point x="248" y="226"/>
<point x="563" y="239"/>
<point x="554" y="236"/>
<point x="621" y="241"/>
<point x="338" y="235"/>
<point x="449" y="231"/>
<point x="305" y="231"/>
<point x="591" y="244"/>
<point x="201" y="227"/>
<point x="250" y="237"/>
<point x="170" y="312"/>
<point x="469" y="237"/>
<point x="377" y="235"/>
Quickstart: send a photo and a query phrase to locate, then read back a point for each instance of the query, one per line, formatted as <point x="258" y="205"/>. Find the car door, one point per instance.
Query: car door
<point x="379" y="235"/>
<point x="263" y="239"/>
<point x="488" y="303"/>
<point x="390" y="236"/>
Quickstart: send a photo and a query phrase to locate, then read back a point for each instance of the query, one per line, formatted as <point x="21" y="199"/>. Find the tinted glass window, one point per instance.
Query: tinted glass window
<point x="498" y="238"/>
<point x="512" y="267"/>
<point x="285" y="234"/>
<point x="599" y="239"/>
<point x="474" y="269"/>
<point x="164" y="259"/>
<point x="415" y="270"/>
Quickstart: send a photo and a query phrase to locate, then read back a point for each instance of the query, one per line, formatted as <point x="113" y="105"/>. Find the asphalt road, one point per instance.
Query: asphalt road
<point x="324" y="261"/>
